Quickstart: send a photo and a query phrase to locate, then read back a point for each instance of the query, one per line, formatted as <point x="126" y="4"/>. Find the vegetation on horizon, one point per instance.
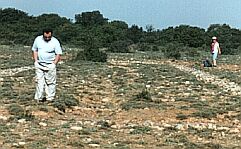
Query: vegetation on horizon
<point x="91" y="30"/>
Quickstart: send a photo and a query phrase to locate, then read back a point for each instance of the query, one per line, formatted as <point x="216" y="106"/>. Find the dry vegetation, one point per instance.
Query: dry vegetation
<point x="133" y="101"/>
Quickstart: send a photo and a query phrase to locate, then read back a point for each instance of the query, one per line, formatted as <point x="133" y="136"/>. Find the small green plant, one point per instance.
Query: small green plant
<point x="238" y="117"/>
<point x="121" y="46"/>
<point x="172" y="51"/>
<point x="76" y="143"/>
<point x="93" y="55"/>
<point x="140" y="130"/>
<point x="103" y="124"/>
<point x="205" y="113"/>
<point x="19" y="112"/>
<point x="181" y="116"/>
<point x="60" y="105"/>
<point x="15" y="109"/>
<point x="65" y="101"/>
<point x="144" y="95"/>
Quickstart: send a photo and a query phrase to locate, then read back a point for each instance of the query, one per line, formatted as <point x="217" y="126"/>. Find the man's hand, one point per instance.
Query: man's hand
<point x="57" y="59"/>
<point x="35" y="64"/>
<point x="35" y="56"/>
<point x="219" y="51"/>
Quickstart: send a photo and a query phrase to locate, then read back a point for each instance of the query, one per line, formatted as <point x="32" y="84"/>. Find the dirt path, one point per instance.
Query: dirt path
<point x="13" y="71"/>
<point x="225" y="84"/>
<point x="100" y="108"/>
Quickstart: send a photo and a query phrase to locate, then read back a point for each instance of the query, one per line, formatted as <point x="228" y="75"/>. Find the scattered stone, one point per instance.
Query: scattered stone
<point x="13" y="71"/>
<point x="202" y="99"/>
<point x="21" y="143"/>
<point x="158" y="128"/>
<point x="114" y="126"/>
<point x="148" y="86"/>
<point x="199" y="139"/>
<point x="222" y="134"/>
<point x="167" y="125"/>
<point x="172" y="100"/>
<point x="42" y="124"/>
<point x="22" y="120"/>
<point x="236" y="121"/>
<point x="212" y="126"/>
<point x="76" y="108"/>
<point x="106" y="99"/>
<point x="164" y="100"/>
<point x="148" y="123"/>
<point x="131" y="130"/>
<point x="186" y="94"/>
<point x="227" y="86"/>
<point x="15" y="144"/>
<point x="223" y="128"/>
<point x="3" y="118"/>
<point x="76" y="128"/>
<point x="94" y="145"/>
<point x="234" y="130"/>
<point x="180" y="127"/>
<point x="87" y="140"/>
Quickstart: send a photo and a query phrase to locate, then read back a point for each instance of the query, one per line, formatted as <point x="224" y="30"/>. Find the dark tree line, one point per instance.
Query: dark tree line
<point x="92" y="30"/>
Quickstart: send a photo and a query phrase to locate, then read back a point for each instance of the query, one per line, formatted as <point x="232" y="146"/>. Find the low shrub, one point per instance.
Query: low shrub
<point x="121" y="46"/>
<point x="19" y="112"/>
<point x="94" y="55"/>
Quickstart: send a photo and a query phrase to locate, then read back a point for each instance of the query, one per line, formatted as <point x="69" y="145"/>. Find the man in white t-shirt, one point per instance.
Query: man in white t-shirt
<point x="215" y="50"/>
<point x="46" y="54"/>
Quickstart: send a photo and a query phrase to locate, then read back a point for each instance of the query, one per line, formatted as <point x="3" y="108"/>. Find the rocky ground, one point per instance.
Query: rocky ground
<point x="129" y="102"/>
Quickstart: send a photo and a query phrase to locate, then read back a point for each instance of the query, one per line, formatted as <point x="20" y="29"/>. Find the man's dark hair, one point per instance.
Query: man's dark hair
<point x="47" y="30"/>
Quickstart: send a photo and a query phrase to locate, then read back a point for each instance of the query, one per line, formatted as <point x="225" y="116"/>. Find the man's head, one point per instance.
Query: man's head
<point x="47" y="34"/>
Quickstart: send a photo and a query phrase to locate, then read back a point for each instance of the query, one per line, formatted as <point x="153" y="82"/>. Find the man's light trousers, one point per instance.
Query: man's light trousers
<point x="46" y="81"/>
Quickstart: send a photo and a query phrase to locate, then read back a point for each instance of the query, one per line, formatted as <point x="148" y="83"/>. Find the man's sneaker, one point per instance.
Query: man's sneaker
<point x="50" y="99"/>
<point x="39" y="100"/>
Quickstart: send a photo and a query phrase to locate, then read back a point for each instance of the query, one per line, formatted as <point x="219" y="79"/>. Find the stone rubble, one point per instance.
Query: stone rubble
<point x="13" y="71"/>
<point x="225" y="84"/>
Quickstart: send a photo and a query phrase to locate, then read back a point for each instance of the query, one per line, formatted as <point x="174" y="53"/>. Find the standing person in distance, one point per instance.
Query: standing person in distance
<point x="215" y="50"/>
<point x="46" y="54"/>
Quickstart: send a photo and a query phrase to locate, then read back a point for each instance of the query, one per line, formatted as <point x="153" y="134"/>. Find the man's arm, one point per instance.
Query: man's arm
<point x="57" y="59"/>
<point x="219" y="50"/>
<point x="35" y="56"/>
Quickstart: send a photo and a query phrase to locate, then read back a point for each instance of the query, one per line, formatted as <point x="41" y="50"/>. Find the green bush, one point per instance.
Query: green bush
<point x="144" y="47"/>
<point x="140" y="130"/>
<point x="103" y="124"/>
<point x="121" y="46"/>
<point x="15" y="109"/>
<point x="144" y="95"/>
<point x="65" y="101"/>
<point x="147" y="47"/>
<point x="94" y="55"/>
<point x="19" y="112"/>
<point x="191" y="52"/>
<point x="172" y="51"/>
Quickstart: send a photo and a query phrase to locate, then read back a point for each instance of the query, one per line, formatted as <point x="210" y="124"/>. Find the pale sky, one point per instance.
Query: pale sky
<point x="159" y="13"/>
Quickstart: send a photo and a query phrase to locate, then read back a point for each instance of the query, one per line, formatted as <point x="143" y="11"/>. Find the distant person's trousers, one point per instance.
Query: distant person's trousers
<point x="215" y="55"/>
<point x="46" y="81"/>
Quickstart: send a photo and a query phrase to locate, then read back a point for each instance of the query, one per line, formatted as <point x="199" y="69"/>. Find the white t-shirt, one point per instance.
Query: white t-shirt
<point x="216" y="47"/>
<point x="46" y="50"/>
